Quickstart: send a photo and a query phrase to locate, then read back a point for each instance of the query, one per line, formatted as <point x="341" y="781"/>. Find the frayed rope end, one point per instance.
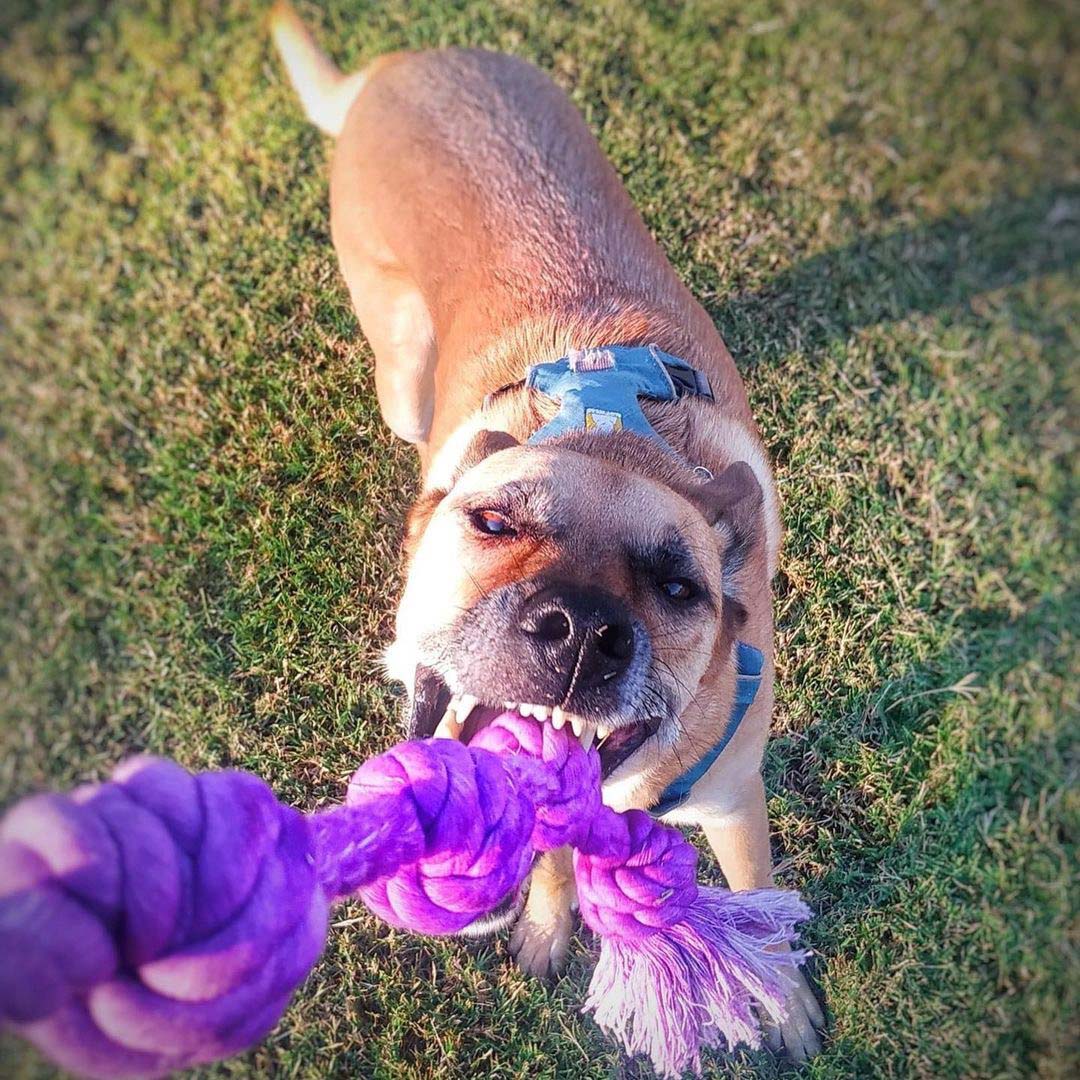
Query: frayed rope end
<point x="697" y="984"/>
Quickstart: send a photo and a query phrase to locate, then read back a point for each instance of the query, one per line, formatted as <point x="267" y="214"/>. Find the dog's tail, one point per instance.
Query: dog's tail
<point x="325" y="92"/>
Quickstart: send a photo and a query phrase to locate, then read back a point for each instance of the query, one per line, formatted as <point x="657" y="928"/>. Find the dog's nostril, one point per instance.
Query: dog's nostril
<point x="615" y="641"/>
<point x="551" y="626"/>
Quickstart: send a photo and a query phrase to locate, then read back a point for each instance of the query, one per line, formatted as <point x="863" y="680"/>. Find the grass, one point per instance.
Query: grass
<point x="878" y="203"/>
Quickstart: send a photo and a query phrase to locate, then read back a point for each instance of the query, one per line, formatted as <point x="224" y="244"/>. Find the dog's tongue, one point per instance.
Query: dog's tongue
<point x="480" y="717"/>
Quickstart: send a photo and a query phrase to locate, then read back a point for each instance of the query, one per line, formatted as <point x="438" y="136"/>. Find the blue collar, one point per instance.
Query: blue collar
<point x="748" y="664"/>
<point x="598" y="389"/>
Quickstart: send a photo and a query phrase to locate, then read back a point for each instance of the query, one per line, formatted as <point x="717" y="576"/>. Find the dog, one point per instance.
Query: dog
<point x="598" y="526"/>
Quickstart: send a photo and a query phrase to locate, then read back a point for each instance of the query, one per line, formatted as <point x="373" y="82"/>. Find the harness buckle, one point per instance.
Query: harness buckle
<point x="690" y="381"/>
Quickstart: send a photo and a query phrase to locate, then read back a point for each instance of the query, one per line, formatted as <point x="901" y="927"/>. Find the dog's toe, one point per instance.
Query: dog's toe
<point x="798" y="1035"/>
<point x="540" y="947"/>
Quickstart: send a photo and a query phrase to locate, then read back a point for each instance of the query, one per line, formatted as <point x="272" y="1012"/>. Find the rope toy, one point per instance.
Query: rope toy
<point x="163" y="919"/>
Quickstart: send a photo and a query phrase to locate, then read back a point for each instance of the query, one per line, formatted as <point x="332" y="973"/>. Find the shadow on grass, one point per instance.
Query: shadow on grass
<point x="940" y="858"/>
<point x="895" y="715"/>
<point x="944" y="855"/>
<point x="930" y="267"/>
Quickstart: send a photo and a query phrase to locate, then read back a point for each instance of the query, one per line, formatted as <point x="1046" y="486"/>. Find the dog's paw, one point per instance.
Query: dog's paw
<point x="798" y="1036"/>
<point x="540" y="944"/>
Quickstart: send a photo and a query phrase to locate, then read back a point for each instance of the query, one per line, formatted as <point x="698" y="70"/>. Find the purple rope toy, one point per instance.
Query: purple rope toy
<point x="162" y="920"/>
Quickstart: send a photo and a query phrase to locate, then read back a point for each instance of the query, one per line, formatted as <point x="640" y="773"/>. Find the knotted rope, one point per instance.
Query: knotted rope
<point x="162" y="920"/>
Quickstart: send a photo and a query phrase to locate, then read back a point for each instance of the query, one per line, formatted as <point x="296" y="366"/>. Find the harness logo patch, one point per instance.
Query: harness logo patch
<point x="590" y="359"/>
<point x="603" y="421"/>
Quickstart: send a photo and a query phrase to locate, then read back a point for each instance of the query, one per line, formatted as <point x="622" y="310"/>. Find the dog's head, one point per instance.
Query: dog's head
<point x="586" y="581"/>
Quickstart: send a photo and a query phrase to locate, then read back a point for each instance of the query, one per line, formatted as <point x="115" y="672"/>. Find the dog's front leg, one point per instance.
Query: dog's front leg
<point x="541" y="937"/>
<point x="741" y="842"/>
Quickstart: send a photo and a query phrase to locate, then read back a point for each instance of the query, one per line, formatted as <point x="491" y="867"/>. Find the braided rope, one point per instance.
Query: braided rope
<point x="161" y="920"/>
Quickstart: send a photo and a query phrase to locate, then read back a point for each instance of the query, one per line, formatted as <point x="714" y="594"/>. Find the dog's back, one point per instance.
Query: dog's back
<point x="497" y="186"/>
<point x="471" y="206"/>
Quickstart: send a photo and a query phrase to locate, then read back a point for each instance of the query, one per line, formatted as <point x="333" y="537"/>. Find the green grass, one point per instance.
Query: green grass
<point x="879" y="203"/>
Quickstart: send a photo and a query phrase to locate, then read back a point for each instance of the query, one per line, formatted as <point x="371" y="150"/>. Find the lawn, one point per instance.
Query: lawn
<point x="879" y="204"/>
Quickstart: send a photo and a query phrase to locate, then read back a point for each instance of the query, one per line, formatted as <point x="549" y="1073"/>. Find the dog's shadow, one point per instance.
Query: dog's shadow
<point x="945" y="833"/>
<point x="933" y="266"/>
<point x="940" y="268"/>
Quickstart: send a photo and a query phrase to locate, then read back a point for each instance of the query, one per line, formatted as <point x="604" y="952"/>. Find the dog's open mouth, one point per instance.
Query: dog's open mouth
<point x="437" y="712"/>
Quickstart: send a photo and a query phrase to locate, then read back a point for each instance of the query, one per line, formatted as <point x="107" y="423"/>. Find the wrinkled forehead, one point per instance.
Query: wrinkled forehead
<point x="576" y="495"/>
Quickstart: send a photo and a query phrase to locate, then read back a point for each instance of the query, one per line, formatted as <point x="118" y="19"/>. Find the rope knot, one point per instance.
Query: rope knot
<point x="634" y="875"/>
<point x="175" y="915"/>
<point x="474" y="821"/>
<point x="564" y="777"/>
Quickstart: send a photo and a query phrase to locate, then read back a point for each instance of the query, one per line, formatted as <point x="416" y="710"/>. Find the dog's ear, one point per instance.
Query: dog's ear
<point x="419" y="516"/>
<point x="483" y="444"/>
<point x="733" y="503"/>
<point x="732" y="500"/>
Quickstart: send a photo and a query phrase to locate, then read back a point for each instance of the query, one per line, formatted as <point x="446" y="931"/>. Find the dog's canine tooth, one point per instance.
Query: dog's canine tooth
<point x="466" y="704"/>
<point x="449" y="728"/>
<point x="586" y="737"/>
<point x="578" y="725"/>
<point x="602" y="731"/>
<point x="452" y="724"/>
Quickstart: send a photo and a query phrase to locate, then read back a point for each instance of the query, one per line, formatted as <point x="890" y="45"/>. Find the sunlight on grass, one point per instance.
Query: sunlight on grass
<point x="878" y="204"/>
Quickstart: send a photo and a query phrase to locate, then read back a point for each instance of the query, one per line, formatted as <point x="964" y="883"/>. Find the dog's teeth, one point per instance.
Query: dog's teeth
<point x="537" y="712"/>
<point x="510" y="705"/>
<point x="578" y="725"/>
<point x="602" y="731"/>
<point x="587" y="737"/>
<point x="558" y="718"/>
<point x="465" y="705"/>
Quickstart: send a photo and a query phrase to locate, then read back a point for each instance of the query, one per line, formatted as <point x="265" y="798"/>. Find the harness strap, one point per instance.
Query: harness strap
<point x="748" y="666"/>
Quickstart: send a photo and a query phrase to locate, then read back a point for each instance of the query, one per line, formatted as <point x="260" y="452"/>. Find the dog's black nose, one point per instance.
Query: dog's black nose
<point x="584" y="636"/>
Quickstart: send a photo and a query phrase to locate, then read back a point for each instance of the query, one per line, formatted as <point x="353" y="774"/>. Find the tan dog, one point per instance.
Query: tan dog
<point x="595" y="579"/>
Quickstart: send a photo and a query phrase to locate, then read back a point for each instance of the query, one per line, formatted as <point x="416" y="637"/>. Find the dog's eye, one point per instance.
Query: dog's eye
<point x="679" y="589"/>
<point x="491" y="523"/>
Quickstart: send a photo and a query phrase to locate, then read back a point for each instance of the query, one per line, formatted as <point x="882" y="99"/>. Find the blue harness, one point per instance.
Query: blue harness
<point x="599" y="390"/>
